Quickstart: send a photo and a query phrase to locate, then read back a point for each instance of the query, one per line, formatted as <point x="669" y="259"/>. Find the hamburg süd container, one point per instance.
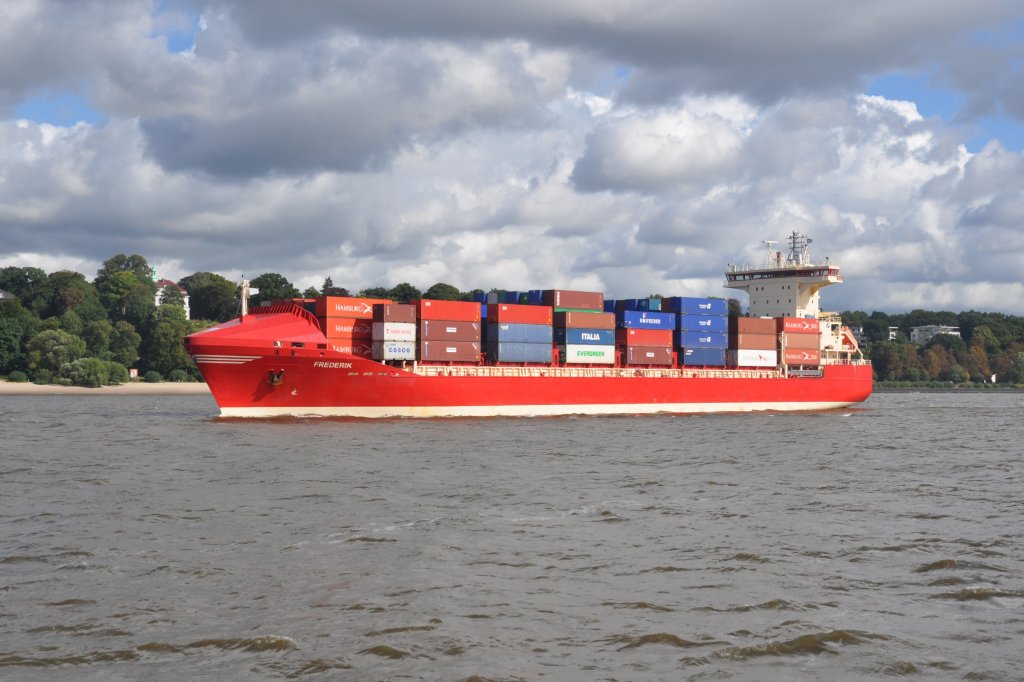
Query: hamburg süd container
<point x="345" y="306"/>
<point x="801" y="341"/>
<point x="703" y="357"/>
<point x="581" y="300"/>
<point x="362" y="349"/>
<point x="394" y="331"/>
<point x="801" y="357"/>
<point x="645" y="319"/>
<point x="519" y="333"/>
<point x="346" y="328"/>
<point x="519" y="314"/>
<point x="704" y="323"/>
<point x="701" y="340"/>
<point x="576" y="354"/>
<point x="394" y="350"/>
<point x="584" y="320"/>
<point x="394" y="312"/>
<point x="463" y="311"/>
<point x="587" y="337"/>
<point x="751" y="325"/>
<point x="519" y="352"/>
<point x="449" y="351"/>
<point x="797" y="325"/>
<point x="649" y="355"/>
<point x="643" y="337"/>
<point x="753" y="341"/>
<point x="753" y="358"/>
<point x="695" y="306"/>
<point x="449" y="330"/>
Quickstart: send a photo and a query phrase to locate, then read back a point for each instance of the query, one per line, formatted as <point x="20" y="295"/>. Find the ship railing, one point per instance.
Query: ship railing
<point x="594" y="372"/>
<point x="287" y="307"/>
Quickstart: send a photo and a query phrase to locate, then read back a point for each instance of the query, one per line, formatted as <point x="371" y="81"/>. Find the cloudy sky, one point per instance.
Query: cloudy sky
<point x="628" y="146"/>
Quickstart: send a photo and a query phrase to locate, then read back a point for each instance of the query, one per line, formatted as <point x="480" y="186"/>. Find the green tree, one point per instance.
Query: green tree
<point x="443" y="292"/>
<point x="211" y="296"/>
<point x="310" y="292"/>
<point x="90" y="372"/>
<point x="272" y="287"/>
<point x="17" y="326"/>
<point x="1014" y="373"/>
<point x="124" y="343"/>
<point x="96" y="335"/>
<point x="328" y="289"/>
<point x="171" y="295"/>
<point x="28" y="284"/>
<point x="876" y="327"/>
<point x="162" y="347"/>
<point x="376" y="292"/>
<point x="134" y="264"/>
<point x="404" y="292"/>
<point x="50" y="350"/>
<point x="65" y="290"/>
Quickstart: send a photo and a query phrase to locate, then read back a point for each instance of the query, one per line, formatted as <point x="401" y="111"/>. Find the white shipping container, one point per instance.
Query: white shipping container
<point x="579" y="354"/>
<point x="394" y="331"/>
<point x="754" y="358"/>
<point x="394" y="350"/>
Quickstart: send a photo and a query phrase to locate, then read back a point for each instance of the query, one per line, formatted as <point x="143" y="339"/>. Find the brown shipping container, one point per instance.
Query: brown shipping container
<point x="797" y="325"/>
<point x="563" y="298"/>
<point x="466" y="311"/>
<point x="514" y="313"/>
<point x="394" y="312"/>
<point x="345" y="327"/>
<point x="648" y="355"/>
<point x="450" y="351"/>
<point x="801" y="341"/>
<point x="576" y="320"/>
<point x="449" y="330"/>
<point x="801" y="357"/>
<point x="643" y="337"/>
<point x="345" y="306"/>
<point x="751" y="325"/>
<point x="753" y="341"/>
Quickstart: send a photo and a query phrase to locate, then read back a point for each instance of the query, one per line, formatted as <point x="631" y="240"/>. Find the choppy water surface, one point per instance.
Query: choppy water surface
<point x="140" y="538"/>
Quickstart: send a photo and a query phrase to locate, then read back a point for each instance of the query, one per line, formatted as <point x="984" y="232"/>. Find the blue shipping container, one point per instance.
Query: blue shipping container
<point x="505" y="332"/>
<point x="701" y="340"/>
<point x="696" y="306"/>
<point x="519" y="352"/>
<point x="644" y="319"/>
<point x="584" y="337"/>
<point x="535" y="297"/>
<point x="609" y="305"/>
<point x="704" y="323"/>
<point x="709" y="357"/>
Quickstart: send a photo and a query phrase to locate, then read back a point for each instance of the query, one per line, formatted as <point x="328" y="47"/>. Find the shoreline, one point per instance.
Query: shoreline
<point x="130" y="388"/>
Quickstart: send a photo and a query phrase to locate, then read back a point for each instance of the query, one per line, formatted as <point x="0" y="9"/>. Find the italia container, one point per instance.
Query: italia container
<point x="345" y="306"/>
<point x="797" y="325"/>
<point x="649" y="355"/>
<point x="449" y="351"/>
<point x="363" y="349"/>
<point x="752" y="325"/>
<point x="584" y="320"/>
<point x="753" y="358"/>
<point x="695" y="306"/>
<point x="394" y="350"/>
<point x="463" y="311"/>
<point x="346" y="328"/>
<point x="519" y="333"/>
<point x="645" y="319"/>
<point x="703" y="357"/>
<point x="578" y="300"/>
<point x="449" y="330"/>
<point x="584" y="337"/>
<point x="643" y="337"/>
<point x="753" y="341"/>
<point x="704" y="323"/>
<point x="701" y="340"/>
<point x="801" y="357"/>
<point x="801" y="341"/>
<point x="519" y="314"/>
<point x="394" y="312"/>
<point x="574" y="354"/>
<point x="519" y="352"/>
<point x="394" y="331"/>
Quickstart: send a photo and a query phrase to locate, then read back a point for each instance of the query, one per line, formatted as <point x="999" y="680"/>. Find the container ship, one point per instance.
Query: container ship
<point x="543" y="352"/>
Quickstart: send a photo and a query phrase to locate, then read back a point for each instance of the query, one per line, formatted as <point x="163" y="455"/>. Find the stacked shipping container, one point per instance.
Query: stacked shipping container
<point x="584" y="333"/>
<point x="348" y="323"/>
<point x="702" y="334"/>
<point x="519" y="333"/>
<point x="449" y="331"/>
<point x="394" y="331"/>
<point x="644" y="336"/>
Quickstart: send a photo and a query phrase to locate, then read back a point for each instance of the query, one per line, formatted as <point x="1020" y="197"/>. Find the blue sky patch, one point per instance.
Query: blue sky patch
<point x="63" y="108"/>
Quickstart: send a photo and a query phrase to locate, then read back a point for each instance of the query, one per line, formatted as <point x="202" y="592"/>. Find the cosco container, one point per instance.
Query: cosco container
<point x="519" y="352"/>
<point x="801" y="357"/>
<point x="519" y="333"/>
<point x="345" y="306"/>
<point x="464" y="311"/>
<point x="752" y="325"/>
<point x="581" y="300"/>
<point x="346" y="328"/>
<point x="704" y="323"/>
<point x="576" y="354"/>
<point x="519" y="314"/>
<point x="449" y="351"/>
<point x="801" y="341"/>
<point x="797" y="325"/>
<point x="588" y="337"/>
<point x="577" y="320"/>
<point x="753" y="358"/>
<point x="695" y="306"/>
<point x="649" y="355"/>
<point x="643" y="337"/>
<point x="394" y="350"/>
<point x="703" y="357"/>
<point x="394" y="331"/>
<point x="394" y="312"/>
<point x="701" y="340"/>
<point x="753" y="341"/>
<point x="449" y="330"/>
<point x="645" y="319"/>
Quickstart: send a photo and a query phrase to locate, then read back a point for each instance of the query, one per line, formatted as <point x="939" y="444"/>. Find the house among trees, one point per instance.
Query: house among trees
<point x="7" y="296"/>
<point x="925" y="334"/>
<point x="165" y="288"/>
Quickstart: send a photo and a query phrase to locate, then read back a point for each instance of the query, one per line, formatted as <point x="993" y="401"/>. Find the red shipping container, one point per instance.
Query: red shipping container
<point x="345" y="306"/>
<point x="797" y="325"/>
<point x="754" y="341"/>
<point x="643" y="337"/>
<point x="801" y="341"/>
<point x="394" y="312"/>
<point x="514" y="313"/>
<point x="649" y="355"/>
<point x="751" y="325"/>
<point x="577" y="320"/>
<point x="563" y="298"/>
<point x="449" y="330"/>
<point x="466" y="311"/>
<point x="449" y="351"/>
<point x="346" y="327"/>
<point x="362" y="349"/>
<point x="801" y="357"/>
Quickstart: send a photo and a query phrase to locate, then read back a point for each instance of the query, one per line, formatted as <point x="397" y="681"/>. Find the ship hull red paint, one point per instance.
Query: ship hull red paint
<point x="280" y="364"/>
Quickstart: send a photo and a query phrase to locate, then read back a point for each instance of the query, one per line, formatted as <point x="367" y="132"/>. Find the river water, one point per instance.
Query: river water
<point x="143" y="538"/>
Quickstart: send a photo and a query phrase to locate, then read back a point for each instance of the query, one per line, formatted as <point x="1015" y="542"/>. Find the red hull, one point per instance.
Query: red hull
<point x="279" y="364"/>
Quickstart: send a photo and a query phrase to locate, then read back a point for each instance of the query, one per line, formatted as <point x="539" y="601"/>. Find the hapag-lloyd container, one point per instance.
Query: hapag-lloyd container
<point x="801" y="357"/>
<point x="753" y="341"/>
<point x="519" y="314"/>
<point x="588" y="337"/>
<point x="645" y="319"/>
<point x="465" y="311"/>
<point x="649" y="355"/>
<point x="519" y="352"/>
<point x="752" y="325"/>
<point x="797" y="325"/>
<point x="394" y="331"/>
<point x="346" y="328"/>
<point x="643" y="337"/>
<point x="576" y="354"/>
<point x="345" y="306"/>
<point x="704" y="323"/>
<point x="584" y="320"/>
<point x="582" y="300"/>
<point x="519" y="333"/>
<point x="449" y="330"/>
<point x="753" y="358"/>
<point x="801" y="341"/>
<point x="449" y="351"/>
<point x="703" y="357"/>
<point x="394" y="312"/>
<point x="394" y="350"/>
<point x="701" y="340"/>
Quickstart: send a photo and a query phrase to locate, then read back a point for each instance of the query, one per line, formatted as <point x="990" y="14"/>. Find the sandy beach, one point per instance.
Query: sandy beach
<point x="131" y="388"/>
